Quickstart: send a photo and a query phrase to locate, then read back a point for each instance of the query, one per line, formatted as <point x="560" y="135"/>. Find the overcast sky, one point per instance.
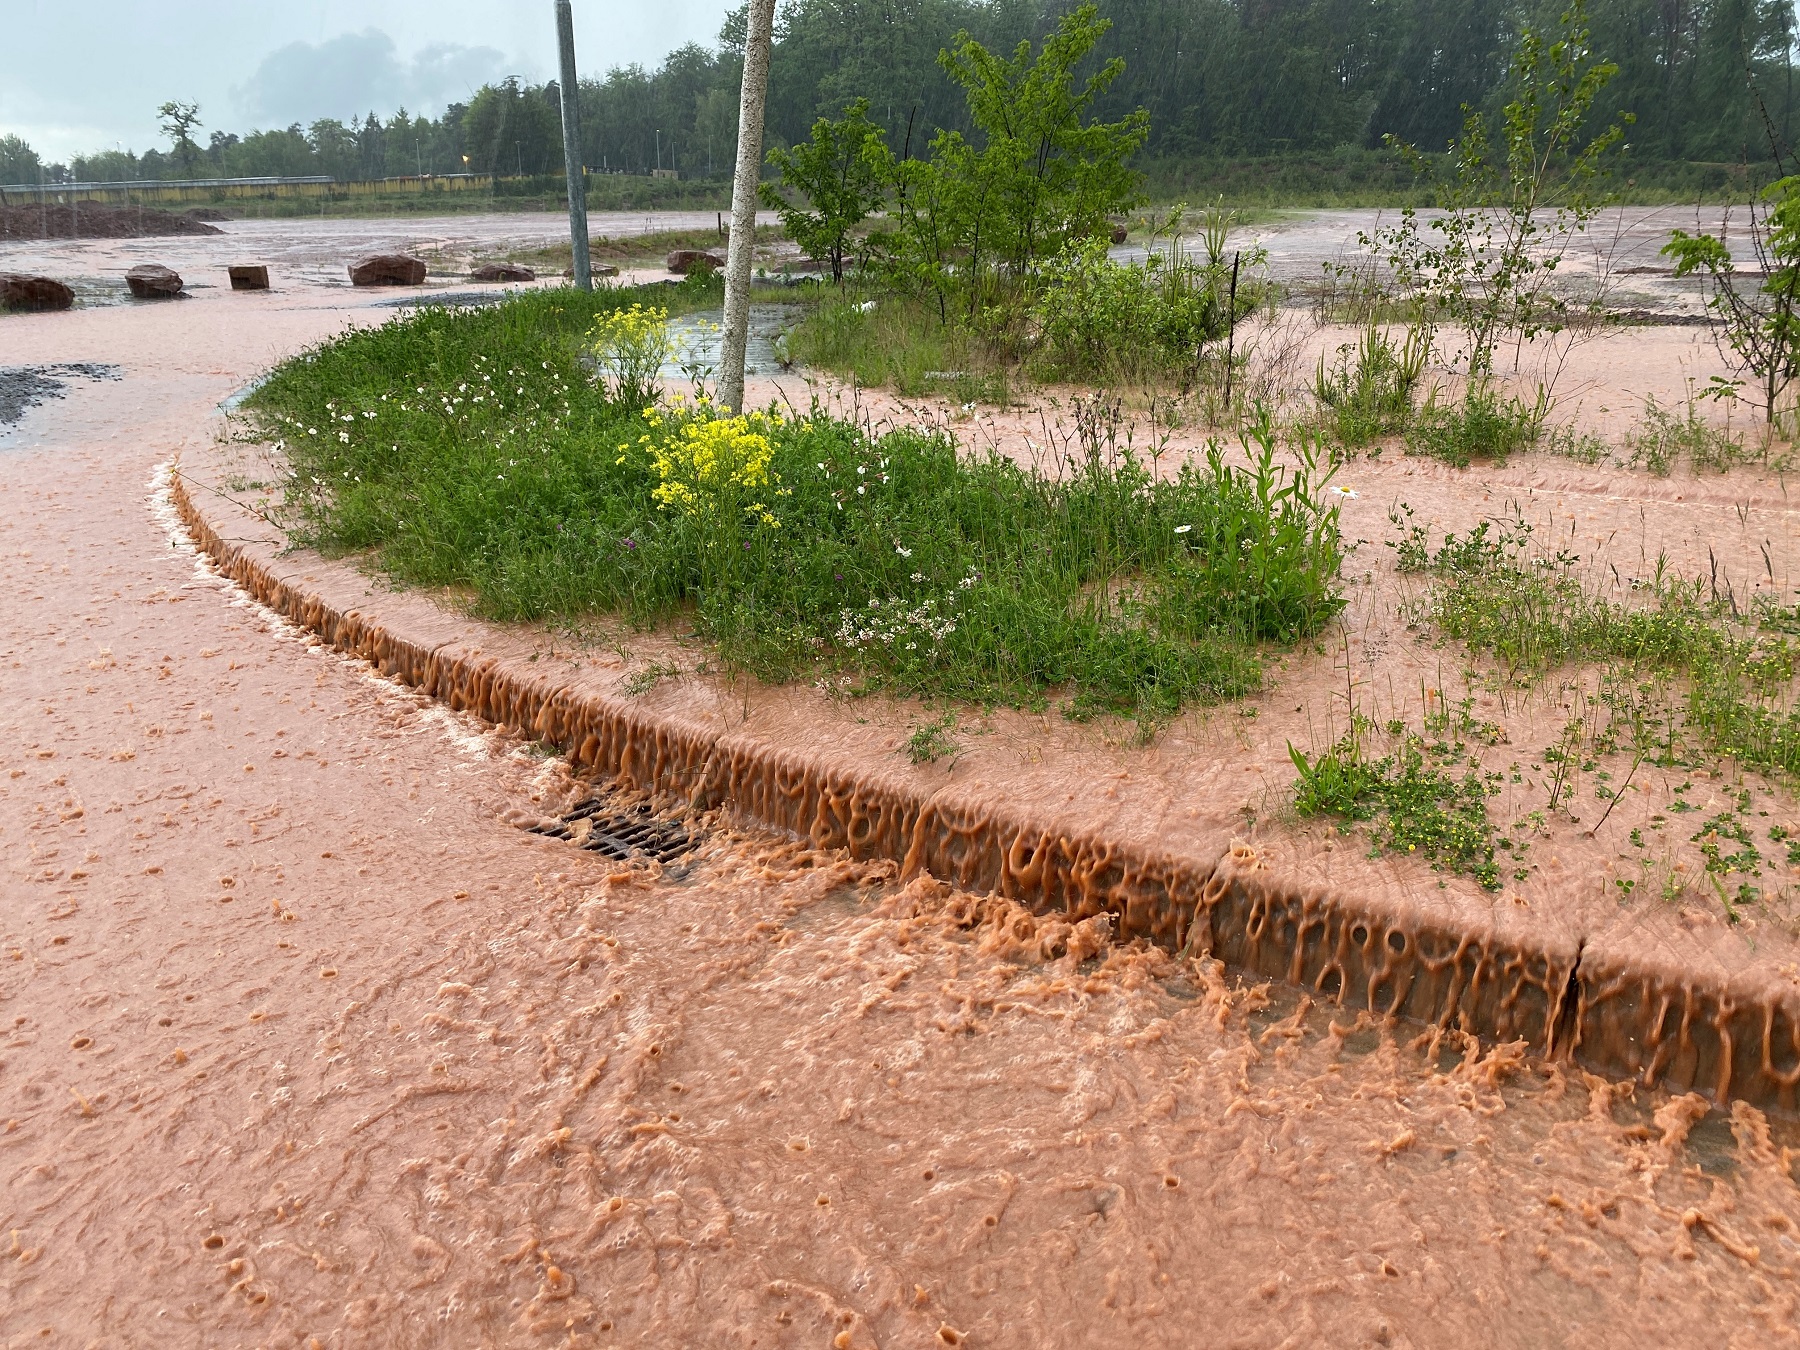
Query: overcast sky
<point x="82" y="75"/>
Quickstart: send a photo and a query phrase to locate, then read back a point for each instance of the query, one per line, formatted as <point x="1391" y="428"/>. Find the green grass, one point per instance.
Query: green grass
<point x="473" y="449"/>
<point x="1352" y="175"/>
<point x="542" y="192"/>
<point x="1426" y="799"/>
<point x="634" y="250"/>
<point x="877" y="338"/>
<point x="1159" y="327"/>
<point x="1731" y="676"/>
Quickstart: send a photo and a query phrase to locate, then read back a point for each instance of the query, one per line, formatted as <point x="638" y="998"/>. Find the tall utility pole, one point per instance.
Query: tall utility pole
<point x="571" y="118"/>
<point x="758" y="39"/>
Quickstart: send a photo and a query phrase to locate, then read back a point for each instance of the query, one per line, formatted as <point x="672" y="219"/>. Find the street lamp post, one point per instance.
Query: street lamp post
<point x="571" y="120"/>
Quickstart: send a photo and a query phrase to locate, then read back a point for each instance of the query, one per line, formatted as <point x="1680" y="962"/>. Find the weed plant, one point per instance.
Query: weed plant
<point x="932" y="741"/>
<point x="479" y="449"/>
<point x="1667" y="438"/>
<point x="1427" y="798"/>
<point x="1484" y="425"/>
<point x="1584" y="447"/>
<point x="1368" y="392"/>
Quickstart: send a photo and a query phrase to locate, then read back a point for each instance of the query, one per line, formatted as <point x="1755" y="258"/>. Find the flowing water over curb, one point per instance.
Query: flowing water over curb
<point x="1613" y="1010"/>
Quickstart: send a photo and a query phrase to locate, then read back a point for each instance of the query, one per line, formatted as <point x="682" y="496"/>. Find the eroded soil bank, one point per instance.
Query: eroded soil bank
<point x="305" y="1038"/>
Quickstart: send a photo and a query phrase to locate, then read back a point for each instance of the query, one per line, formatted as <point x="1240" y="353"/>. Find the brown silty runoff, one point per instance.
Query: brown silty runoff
<point x="1675" y="997"/>
<point x="1556" y="963"/>
<point x="307" y="1039"/>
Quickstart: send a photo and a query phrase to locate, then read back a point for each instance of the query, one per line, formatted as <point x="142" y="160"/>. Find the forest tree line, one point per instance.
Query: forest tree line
<point x="1708" y="80"/>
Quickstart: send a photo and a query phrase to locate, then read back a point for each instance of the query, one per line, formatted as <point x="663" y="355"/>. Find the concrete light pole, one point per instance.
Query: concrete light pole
<point x="571" y="120"/>
<point x="758" y="39"/>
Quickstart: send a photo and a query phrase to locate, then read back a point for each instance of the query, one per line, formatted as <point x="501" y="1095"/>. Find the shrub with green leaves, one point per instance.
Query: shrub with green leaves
<point x="843" y="174"/>
<point x="1761" y="323"/>
<point x="1368" y="391"/>
<point x="1484" y="424"/>
<point x="1098" y="317"/>
<point x="980" y="215"/>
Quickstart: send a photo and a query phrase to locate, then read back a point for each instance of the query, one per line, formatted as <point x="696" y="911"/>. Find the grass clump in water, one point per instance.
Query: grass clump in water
<point x="1667" y="438"/>
<point x="1486" y="425"/>
<point x="877" y="338"/>
<point x="482" y="450"/>
<point x="1368" y="392"/>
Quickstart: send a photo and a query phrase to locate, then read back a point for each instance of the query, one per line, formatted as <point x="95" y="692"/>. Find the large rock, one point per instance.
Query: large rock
<point x="595" y="270"/>
<point x="248" y="277"/>
<point x="387" y="269"/>
<point x="18" y="291"/>
<point x="685" y="260"/>
<point x="502" y="271"/>
<point x="153" y="281"/>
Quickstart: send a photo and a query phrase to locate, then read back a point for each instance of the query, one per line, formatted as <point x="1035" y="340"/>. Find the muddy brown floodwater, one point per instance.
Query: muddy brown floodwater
<point x="303" y="1041"/>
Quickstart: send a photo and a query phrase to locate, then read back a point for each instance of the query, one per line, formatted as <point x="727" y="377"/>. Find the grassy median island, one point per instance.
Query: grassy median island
<point x="524" y="452"/>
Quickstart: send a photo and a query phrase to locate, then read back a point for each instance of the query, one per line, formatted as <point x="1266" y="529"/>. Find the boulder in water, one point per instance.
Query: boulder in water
<point x="248" y="277"/>
<point x="153" y="281"/>
<point x="18" y="291"/>
<point x="387" y="269"/>
<point x="685" y="260"/>
<point x="502" y="271"/>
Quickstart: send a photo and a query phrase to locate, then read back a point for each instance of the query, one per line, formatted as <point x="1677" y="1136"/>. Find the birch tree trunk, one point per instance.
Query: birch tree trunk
<point x="758" y="40"/>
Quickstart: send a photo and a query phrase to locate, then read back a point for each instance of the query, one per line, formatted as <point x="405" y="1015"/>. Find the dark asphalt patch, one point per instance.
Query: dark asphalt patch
<point x="24" y="387"/>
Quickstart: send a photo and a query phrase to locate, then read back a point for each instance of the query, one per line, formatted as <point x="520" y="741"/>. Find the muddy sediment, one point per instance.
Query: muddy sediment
<point x="24" y="387"/>
<point x="1616" y="999"/>
<point x="94" y="220"/>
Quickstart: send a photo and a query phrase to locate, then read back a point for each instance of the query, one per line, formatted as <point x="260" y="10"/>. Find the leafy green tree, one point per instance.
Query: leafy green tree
<point x="511" y="129"/>
<point x="19" y="163"/>
<point x="1047" y="171"/>
<point x="843" y="173"/>
<point x="1043" y="175"/>
<point x="178" y="121"/>
<point x="1508" y="211"/>
<point x="1760" y="324"/>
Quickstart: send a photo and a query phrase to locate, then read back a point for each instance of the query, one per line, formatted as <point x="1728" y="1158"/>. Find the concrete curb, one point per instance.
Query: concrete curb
<point x="1613" y="1011"/>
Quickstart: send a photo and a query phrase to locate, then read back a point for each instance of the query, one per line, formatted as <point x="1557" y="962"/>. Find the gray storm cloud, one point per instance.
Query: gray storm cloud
<point x="80" y="77"/>
<point x="355" y="73"/>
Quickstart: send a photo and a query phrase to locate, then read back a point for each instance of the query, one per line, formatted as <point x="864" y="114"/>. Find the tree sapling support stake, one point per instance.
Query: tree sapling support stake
<point x="1230" y="328"/>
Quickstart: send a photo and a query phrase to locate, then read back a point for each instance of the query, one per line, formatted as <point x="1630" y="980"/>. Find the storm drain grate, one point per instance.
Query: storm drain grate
<point x="623" y="833"/>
